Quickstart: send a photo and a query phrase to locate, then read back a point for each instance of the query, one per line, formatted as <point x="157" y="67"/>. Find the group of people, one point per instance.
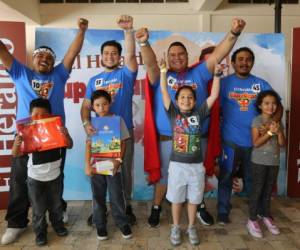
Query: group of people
<point x="181" y="106"/>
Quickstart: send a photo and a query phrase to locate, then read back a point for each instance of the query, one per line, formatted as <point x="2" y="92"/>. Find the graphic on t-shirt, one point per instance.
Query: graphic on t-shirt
<point x="186" y="135"/>
<point x="42" y="88"/>
<point x="111" y="88"/>
<point x="243" y="99"/>
<point x="174" y="84"/>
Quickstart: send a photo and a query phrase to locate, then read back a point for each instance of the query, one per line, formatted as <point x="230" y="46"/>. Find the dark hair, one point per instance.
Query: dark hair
<point x="113" y="43"/>
<point x="206" y="51"/>
<point x="100" y="93"/>
<point x="261" y="97"/>
<point x="40" y="103"/>
<point x="177" y="44"/>
<point x="233" y="56"/>
<point x="185" y="87"/>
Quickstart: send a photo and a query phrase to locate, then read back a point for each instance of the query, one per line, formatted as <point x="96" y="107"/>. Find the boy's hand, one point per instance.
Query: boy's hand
<point x="83" y="24"/>
<point x="88" y="170"/>
<point x="18" y="140"/>
<point x="162" y="64"/>
<point x="89" y="129"/>
<point x="125" y="22"/>
<point x="142" y="35"/>
<point x="117" y="165"/>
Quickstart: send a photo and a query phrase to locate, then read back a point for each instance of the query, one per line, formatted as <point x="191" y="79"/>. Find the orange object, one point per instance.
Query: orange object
<point x="41" y="134"/>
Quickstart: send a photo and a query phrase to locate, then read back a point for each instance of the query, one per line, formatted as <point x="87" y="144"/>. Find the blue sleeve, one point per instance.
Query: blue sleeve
<point x="130" y="74"/>
<point x="205" y="74"/>
<point x="89" y="90"/>
<point x="18" y="70"/>
<point x="156" y="84"/>
<point x="62" y="72"/>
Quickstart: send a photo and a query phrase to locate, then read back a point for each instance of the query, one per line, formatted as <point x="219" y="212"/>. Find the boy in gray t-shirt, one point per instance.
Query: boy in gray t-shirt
<point x="186" y="171"/>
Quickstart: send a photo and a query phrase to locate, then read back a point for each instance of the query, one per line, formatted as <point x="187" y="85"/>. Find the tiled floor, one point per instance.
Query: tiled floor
<point x="233" y="236"/>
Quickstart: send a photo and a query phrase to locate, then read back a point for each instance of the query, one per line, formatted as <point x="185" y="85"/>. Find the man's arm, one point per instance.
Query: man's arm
<point x="149" y="58"/>
<point x="226" y="45"/>
<point x="85" y="113"/>
<point x="5" y="56"/>
<point x="215" y="90"/>
<point x="126" y="23"/>
<point x="76" y="45"/>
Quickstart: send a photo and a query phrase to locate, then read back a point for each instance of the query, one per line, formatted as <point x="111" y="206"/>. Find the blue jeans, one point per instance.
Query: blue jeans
<point x="235" y="162"/>
<point x="100" y="184"/>
<point x="45" y="196"/>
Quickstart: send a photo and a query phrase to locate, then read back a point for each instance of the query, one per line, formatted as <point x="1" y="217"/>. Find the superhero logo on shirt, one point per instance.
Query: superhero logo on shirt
<point x="111" y="88"/>
<point x="256" y="87"/>
<point x="41" y="88"/>
<point x="243" y="99"/>
<point x="186" y="135"/>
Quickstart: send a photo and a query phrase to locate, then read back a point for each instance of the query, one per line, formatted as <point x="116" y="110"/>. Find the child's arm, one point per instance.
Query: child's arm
<point x="163" y="84"/>
<point x="65" y="131"/>
<point x="88" y="168"/>
<point x="215" y="86"/>
<point x="16" y="148"/>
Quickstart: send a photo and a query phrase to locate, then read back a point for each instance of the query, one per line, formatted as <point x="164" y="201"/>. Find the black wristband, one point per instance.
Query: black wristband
<point x="218" y="74"/>
<point x="235" y="33"/>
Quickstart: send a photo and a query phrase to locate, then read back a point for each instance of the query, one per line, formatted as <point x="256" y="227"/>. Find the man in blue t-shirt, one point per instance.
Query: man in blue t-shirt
<point x="178" y="74"/>
<point x="47" y="81"/>
<point x="119" y="82"/>
<point x="238" y="95"/>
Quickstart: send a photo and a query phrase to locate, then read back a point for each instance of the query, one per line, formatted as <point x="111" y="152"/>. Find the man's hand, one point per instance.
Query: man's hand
<point x="237" y="25"/>
<point x="125" y="22"/>
<point x="142" y="35"/>
<point x="83" y="24"/>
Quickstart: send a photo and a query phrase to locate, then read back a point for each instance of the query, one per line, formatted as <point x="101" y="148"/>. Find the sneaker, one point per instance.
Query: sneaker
<point x="89" y="221"/>
<point x="11" y="234"/>
<point x="153" y="219"/>
<point x="223" y="219"/>
<point x="126" y="232"/>
<point x="175" y="235"/>
<point x="193" y="235"/>
<point x="102" y="234"/>
<point x="61" y="231"/>
<point x="130" y="215"/>
<point x="204" y="217"/>
<point x="254" y="228"/>
<point x="65" y="217"/>
<point x="271" y="226"/>
<point x="41" y="239"/>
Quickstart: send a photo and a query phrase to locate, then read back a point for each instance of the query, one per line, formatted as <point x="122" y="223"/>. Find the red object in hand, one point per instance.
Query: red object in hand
<point x="41" y="134"/>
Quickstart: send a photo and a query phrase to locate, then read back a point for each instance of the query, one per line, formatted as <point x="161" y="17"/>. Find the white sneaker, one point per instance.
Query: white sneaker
<point x="11" y="234"/>
<point x="65" y="217"/>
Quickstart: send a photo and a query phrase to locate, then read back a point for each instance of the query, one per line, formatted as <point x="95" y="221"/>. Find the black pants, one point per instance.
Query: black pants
<point x="263" y="177"/>
<point x="18" y="201"/>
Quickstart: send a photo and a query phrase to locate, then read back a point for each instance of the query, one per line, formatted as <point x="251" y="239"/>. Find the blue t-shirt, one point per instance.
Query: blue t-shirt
<point x="197" y="77"/>
<point x="238" y="97"/>
<point x="119" y="83"/>
<point x="31" y="85"/>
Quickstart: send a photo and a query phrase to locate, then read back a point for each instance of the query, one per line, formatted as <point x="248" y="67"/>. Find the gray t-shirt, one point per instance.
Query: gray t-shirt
<point x="269" y="152"/>
<point x="186" y="133"/>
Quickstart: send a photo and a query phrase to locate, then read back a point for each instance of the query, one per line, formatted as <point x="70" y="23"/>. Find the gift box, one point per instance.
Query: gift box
<point x="41" y="134"/>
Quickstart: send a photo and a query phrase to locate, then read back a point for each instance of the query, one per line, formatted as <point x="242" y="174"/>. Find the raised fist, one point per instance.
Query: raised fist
<point x="125" y="22"/>
<point x="142" y="35"/>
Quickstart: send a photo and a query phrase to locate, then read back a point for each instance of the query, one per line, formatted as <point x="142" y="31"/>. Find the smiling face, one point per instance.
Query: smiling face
<point x="177" y="58"/>
<point x="269" y="105"/>
<point x="110" y="57"/>
<point x="243" y="63"/>
<point x="185" y="100"/>
<point x="43" y="62"/>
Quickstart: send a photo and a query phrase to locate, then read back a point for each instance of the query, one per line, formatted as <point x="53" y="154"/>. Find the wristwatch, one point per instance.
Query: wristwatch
<point x="85" y="123"/>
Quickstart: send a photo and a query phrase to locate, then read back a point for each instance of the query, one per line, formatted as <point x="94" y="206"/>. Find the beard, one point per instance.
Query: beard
<point x="110" y="67"/>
